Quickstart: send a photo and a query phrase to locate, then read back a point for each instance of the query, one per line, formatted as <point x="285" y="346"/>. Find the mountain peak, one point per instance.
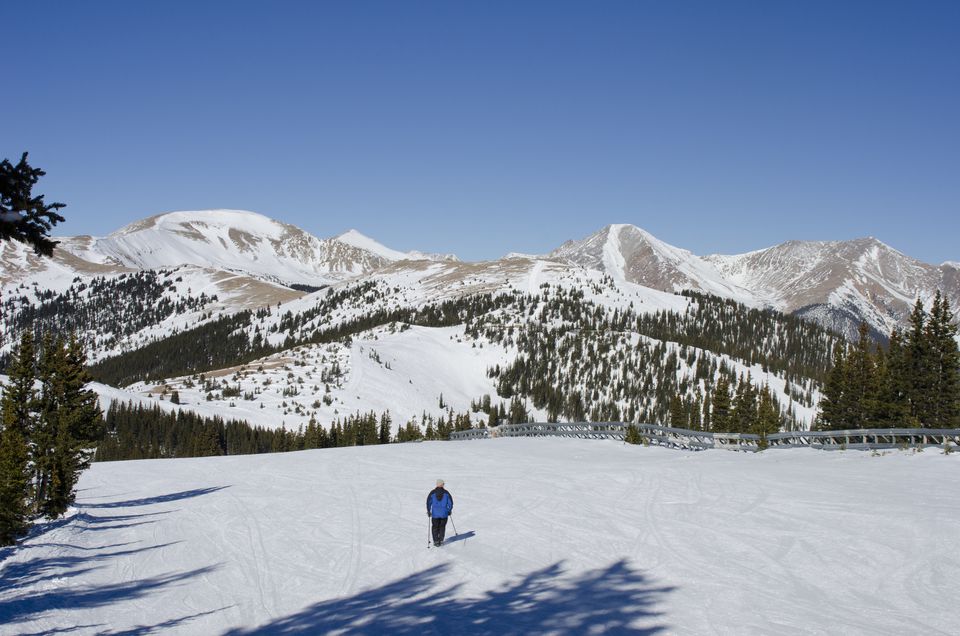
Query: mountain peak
<point x="213" y="216"/>
<point x="632" y="254"/>
<point x="357" y="239"/>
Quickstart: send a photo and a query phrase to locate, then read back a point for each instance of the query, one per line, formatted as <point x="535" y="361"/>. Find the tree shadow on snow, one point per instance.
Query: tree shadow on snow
<point x="617" y="599"/>
<point x="164" y="626"/>
<point x="148" y="501"/>
<point x="24" y="607"/>
<point x="61" y="567"/>
<point x="61" y="630"/>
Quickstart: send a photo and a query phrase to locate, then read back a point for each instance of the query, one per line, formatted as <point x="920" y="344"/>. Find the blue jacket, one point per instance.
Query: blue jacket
<point x="439" y="503"/>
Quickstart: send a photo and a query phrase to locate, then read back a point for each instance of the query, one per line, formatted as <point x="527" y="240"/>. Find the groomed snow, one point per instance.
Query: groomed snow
<point x="556" y="536"/>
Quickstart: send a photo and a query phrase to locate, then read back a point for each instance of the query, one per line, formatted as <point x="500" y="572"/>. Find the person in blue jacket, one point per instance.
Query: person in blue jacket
<point x="439" y="507"/>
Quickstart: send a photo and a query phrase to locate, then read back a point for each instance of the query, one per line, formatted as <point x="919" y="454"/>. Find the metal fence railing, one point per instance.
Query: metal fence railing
<point x="879" y="438"/>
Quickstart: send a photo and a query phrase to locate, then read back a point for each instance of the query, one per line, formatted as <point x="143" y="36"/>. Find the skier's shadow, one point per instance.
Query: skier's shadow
<point x="459" y="537"/>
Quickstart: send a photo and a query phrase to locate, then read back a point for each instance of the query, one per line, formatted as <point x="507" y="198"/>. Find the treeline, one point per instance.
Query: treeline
<point x="221" y="343"/>
<point x="49" y="425"/>
<point x="914" y="382"/>
<point x="238" y="339"/>
<point x="580" y="361"/>
<point x="577" y="360"/>
<point x="103" y="311"/>
<point x="791" y="347"/>
<point x="135" y="431"/>
<point x="743" y="408"/>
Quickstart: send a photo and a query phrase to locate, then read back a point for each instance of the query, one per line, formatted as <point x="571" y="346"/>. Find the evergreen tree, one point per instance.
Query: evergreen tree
<point x="518" y="412"/>
<point x="768" y="418"/>
<point x="14" y="486"/>
<point x="696" y="423"/>
<point x="23" y="216"/>
<point x="678" y="415"/>
<point x="44" y="435"/>
<point x="720" y="415"/>
<point x="944" y="363"/>
<point x="744" y="415"/>
<point x="918" y="365"/>
<point x="633" y="435"/>
<point x="385" y="426"/>
<point x="15" y="425"/>
<point x="895" y="386"/>
<point x="858" y="402"/>
<point x="70" y="422"/>
<point x="832" y="416"/>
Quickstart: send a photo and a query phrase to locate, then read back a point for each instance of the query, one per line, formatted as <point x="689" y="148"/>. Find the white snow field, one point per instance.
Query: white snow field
<point x="556" y="536"/>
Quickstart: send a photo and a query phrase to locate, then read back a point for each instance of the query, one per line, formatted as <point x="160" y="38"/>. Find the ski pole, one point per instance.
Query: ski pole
<point x="429" y="531"/>
<point x="455" y="533"/>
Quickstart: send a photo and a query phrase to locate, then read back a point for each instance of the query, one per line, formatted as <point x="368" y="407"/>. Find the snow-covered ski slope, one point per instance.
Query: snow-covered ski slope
<point x="555" y="536"/>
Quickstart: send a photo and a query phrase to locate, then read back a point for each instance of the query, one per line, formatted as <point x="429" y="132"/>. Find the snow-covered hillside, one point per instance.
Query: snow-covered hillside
<point x="411" y="370"/>
<point x="552" y="536"/>
<point x="835" y="283"/>
<point x="244" y="242"/>
<point x="629" y="253"/>
<point x="840" y="283"/>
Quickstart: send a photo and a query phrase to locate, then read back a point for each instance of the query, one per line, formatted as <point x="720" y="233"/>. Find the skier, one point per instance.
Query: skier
<point x="439" y="507"/>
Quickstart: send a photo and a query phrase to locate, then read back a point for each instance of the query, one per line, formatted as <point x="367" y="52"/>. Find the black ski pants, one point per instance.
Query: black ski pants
<point x="439" y="528"/>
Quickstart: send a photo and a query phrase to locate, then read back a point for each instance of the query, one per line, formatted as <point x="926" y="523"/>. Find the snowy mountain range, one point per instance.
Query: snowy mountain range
<point x="165" y="277"/>
<point x="836" y="283"/>
<point x="229" y="240"/>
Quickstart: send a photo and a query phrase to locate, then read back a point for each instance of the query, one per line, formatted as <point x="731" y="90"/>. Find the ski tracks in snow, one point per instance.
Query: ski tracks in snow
<point x="779" y="542"/>
<point x="354" y="559"/>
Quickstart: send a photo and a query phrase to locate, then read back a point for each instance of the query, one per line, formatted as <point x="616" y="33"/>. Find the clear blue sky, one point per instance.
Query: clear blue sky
<point x="487" y="127"/>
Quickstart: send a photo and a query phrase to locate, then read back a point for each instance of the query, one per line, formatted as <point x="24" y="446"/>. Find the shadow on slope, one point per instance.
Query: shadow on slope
<point x="617" y="599"/>
<point x="139" y="630"/>
<point x="24" y="607"/>
<point x="58" y="567"/>
<point x="147" y="501"/>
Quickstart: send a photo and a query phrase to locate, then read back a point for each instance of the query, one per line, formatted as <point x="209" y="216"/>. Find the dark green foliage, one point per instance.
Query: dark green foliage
<point x="720" y="415"/>
<point x="858" y="403"/>
<point x="783" y="344"/>
<point x="385" y="425"/>
<point x="678" y="414"/>
<point x="914" y="382"/>
<point x="831" y="409"/>
<point x="23" y="216"/>
<point x="633" y="435"/>
<point x="768" y="418"/>
<point x="141" y="432"/>
<point x="590" y="363"/>
<point x="17" y="419"/>
<point x="14" y="486"/>
<point x="68" y="427"/>
<point x="215" y="345"/>
<point x="941" y="336"/>
<point x="104" y="311"/>
<point x="47" y="435"/>
<point x="743" y="417"/>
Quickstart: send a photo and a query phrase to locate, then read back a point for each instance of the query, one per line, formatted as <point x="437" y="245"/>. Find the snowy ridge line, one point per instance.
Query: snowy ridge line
<point x="856" y="439"/>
